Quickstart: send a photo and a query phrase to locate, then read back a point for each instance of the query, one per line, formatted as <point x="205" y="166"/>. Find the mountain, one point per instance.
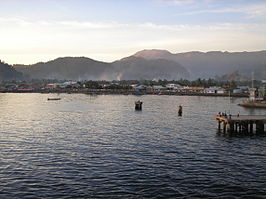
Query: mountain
<point x="153" y="64"/>
<point x="7" y="72"/>
<point x="154" y="54"/>
<point x="71" y="68"/>
<point x="209" y="64"/>
<point x="81" y="68"/>
<point x="139" y="68"/>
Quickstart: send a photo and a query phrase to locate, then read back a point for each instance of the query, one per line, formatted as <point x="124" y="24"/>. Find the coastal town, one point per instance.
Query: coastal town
<point x="133" y="87"/>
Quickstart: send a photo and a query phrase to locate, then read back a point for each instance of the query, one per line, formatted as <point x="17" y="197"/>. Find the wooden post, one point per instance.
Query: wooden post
<point x="257" y="127"/>
<point x="240" y="127"/>
<point x="138" y="105"/>
<point x="180" y="111"/>
<point x="251" y="127"/>
<point x="224" y="127"/>
<point x="231" y="127"/>
<point x="219" y="126"/>
<point x="245" y="127"/>
<point x="236" y="127"/>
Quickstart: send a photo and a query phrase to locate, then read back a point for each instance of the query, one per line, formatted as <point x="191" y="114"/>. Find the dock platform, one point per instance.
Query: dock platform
<point x="244" y="124"/>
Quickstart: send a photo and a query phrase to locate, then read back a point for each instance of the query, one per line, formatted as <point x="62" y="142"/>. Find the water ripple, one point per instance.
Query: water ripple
<point x="99" y="147"/>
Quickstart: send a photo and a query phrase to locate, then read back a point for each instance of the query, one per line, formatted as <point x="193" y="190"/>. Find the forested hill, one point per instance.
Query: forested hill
<point x="83" y="68"/>
<point x="210" y="64"/>
<point x="7" y="72"/>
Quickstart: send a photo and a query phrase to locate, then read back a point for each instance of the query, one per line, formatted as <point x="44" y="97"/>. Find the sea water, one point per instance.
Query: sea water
<point x="85" y="146"/>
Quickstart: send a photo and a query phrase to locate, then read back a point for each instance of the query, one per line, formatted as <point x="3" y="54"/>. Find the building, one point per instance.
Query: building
<point x="193" y="89"/>
<point x="139" y="88"/>
<point x="52" y="86"/>
<point x="214" y="90"/>
<point x="262" y="90"/>
<point x="69" y="84"/>
<point x="158" y="88"/>
<point x="173" y="87"/>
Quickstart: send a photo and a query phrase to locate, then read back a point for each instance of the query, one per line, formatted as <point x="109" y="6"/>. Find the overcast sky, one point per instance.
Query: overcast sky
<point x="107" y="30"/>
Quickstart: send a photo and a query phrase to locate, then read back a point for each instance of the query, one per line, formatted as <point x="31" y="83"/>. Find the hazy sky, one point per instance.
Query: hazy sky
<point x="106" y="30"/>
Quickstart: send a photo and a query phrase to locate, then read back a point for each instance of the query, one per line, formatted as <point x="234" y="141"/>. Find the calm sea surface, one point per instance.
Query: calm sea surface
<point x="99" y="147"/>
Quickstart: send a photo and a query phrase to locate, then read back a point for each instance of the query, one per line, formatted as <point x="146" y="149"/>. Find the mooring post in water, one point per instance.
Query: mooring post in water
<point x="231" y="127"/>
<point x="259" y="127"/>
<point x="224" y="127"/>
<point x="251" y="127"/>
<point x="180" y="111"/>
<point x="138" y="105"/>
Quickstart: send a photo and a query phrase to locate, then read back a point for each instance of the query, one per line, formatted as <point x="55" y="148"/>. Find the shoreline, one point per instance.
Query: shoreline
<point x="126" y="92"/>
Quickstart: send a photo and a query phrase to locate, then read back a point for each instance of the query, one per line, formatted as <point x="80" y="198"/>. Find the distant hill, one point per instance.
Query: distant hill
<point x="139" y="68"/>
<point x="81" y="68"/>
<point x="7" y="72"/>
<point x="153" y="64"/>
<point x="209" y="64"/>
<point x="71" y="68"/>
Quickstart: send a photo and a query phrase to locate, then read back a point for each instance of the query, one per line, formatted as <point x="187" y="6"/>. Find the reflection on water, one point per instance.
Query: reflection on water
<point x="99" y="147"/>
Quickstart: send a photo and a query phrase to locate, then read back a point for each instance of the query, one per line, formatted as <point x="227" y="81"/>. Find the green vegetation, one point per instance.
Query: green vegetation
<point x="127" y="84"/>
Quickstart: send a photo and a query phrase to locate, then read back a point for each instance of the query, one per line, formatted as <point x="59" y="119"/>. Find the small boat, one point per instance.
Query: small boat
<point x="255" y="104"/>
<point x="54" y="98"/>
<point x="254" y="101"/>
<point x="257" y="97"/>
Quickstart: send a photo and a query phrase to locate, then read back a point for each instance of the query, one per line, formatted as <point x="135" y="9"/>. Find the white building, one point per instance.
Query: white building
<point x="214" y="90"/>
<point x="66" y="84"/>
<point x="173" y="86"/>
<point x="139" y="88"/>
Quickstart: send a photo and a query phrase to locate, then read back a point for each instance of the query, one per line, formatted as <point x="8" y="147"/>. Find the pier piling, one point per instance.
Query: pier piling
<point x="138" y="105"/>
<point x="180" y="110"/>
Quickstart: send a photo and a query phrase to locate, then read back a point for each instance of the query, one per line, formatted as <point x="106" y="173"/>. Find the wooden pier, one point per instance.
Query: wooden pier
<point x="244" y="124"/>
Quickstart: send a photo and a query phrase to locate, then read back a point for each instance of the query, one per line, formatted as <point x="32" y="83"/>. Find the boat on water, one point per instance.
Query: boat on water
<point x="257" y="98"/>
<point x="254" y="104"/>
<point x="54" y="98"/>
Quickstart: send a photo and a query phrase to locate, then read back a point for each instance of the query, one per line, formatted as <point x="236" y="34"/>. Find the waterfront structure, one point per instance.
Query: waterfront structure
<point x="180" y="110"/>
<point x="214" y="90"/>
<point x="262" y="90"/>
<point x="158" y="88"/>
<point x="52" y="86"/>
<point x="173" y="86"/>
<point x="139" y="88"/>
<point x="257" y="98"/>
<point x="68" y="84"/>
<point x="244" y="124"/>
<point x="193" y="89"/>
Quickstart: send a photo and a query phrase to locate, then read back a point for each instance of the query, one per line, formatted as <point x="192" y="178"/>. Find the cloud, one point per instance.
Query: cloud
<point x="251" y="11"/>
<point x="179" y="2"/>
<point x="185" y="2"/>
<point x="255" y="11"/>
<point x="32" y="41"/>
